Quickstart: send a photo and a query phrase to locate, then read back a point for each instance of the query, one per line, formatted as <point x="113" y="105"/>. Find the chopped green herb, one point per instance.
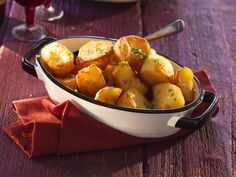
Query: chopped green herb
<point x="172" y="94"/>
<point x="145" y="56"/>
<point x="100" y="51"/>
<point x="93" y="64"/>
<point x="123" y="63"/>
<point x="138" y="51"/>
<point x="69" y="54"/>
<point x="130" y="94"/>
<point x="170" y="90"/>
<point x="157" y="61"/>
<point x="174" y="99"/>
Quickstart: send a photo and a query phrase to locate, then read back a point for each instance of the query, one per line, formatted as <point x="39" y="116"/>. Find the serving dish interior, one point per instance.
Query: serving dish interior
<point x="75" y="43"/>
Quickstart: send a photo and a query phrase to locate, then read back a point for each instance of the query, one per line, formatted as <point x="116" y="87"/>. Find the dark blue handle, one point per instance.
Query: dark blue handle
<point x="194" y="123"/>
<point x="33" y="51"/>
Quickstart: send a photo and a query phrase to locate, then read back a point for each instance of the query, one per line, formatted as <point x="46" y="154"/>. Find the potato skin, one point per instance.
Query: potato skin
<point x="133" y="98"/>
<point x="58" y="59"/>
<point x="95" y="52"/>
<point x="156" y="69"/>
<point x="167" y="96"/>
<point x="69" y="81"/>
<point x="89" y="80"/>
<point x="108" y="95"/>
<point x="133" y="49"/>
<point x="107" y="73"/>
<point x="185" y="80"/>
<point x="124" y="78"/>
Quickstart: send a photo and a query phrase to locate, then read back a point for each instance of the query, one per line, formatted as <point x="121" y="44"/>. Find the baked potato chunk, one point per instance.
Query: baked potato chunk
<point x="58" y="59"/>
<point x="89" y="80"/>
<point x="156" y="69"/>
<point x="69" y="81"/>
<point x="167" y="96"/>
<point x="107" y="73"/>
<point x="124" y="78"/>
<point x="133" y="49"/>
<point x="108" y="95"/>
<point x="185" y="81"/>
<point x="133" y="98"/>
<point x="95" y="52"/>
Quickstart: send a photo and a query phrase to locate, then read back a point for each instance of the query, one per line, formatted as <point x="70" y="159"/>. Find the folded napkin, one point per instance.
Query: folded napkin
<point x="45" y="128"/>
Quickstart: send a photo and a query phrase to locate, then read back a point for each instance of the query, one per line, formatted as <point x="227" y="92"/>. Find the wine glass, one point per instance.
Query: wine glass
<point x="29" y="32"/>
<point x="47" y="12"/>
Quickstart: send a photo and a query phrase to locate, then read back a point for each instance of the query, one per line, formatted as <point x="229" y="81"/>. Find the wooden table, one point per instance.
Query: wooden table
<point x="207" y="42"/>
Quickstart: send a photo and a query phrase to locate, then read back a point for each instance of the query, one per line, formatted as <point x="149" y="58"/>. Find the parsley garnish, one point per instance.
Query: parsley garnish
<point x="123" y="63"/>
<point x="138" y="51"/>
<point x="100" y="51"/>
<point x="130" y="94"/>
<point x="170" y="90"/>
<point x="93" y="64"/>
<point x="157" y="61"/>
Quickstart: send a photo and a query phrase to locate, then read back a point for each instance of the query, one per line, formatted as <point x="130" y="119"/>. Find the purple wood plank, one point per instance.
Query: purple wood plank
<point x="81" y="18"/>
<point x="207" y="42"/>
<point x="3" y="28"/>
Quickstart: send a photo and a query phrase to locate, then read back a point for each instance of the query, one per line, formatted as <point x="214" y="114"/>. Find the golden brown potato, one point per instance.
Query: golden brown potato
<point x="184" y="79"/>
<point x="135" y="82"/>
<point x="89" y="80"/>
<point x="122" y="74"/>
<point x="108" y="94"/>
<point x="167" y="96"/>
<point x="133" y="98"/>
<point x="69" y="81"/>
<point x="107" y="73"/>
<point x="95" y="52"/>
<point x="133" y="49"/>
<point x="58" y="59"/>
<point x="156" y="69"/>
<point x="124" y="78"/>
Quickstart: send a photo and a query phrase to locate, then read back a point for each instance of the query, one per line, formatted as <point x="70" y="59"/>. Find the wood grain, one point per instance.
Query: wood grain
<point x="206" y="43"/>
<point x="3" y="28"/>
<point x="81" y="18"/>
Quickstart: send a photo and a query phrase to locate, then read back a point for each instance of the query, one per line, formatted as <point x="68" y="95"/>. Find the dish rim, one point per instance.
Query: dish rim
<point x="194" y="103"/>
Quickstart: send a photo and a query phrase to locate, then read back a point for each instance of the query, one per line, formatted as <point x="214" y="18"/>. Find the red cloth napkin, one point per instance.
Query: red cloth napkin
<point x="45" y="128"/>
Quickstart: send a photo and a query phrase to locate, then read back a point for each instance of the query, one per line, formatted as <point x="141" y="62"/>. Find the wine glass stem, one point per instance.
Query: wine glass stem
<point x="48" y="4"/>
<point x="29" y="13"/>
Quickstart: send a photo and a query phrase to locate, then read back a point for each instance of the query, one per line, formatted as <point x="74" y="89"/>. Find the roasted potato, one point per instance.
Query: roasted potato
<point x="133" y="49"/>
<point x="185" y="80"/>
<point x="89" y="80"/>
<point x="58" y="59"/>
<point x="167" y="96"/>
<point x="133" y="98"/>
<point x="156" y="69"/>
<point x="107" y="73"/>
<point x="69" y="81"/>
<point x="108" y="95"/>
<point x="124" y="78"/>
<point x="95" y="52"/>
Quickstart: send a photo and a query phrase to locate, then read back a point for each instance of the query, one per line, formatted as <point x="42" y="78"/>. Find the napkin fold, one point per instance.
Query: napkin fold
<point x="45" y="128"/>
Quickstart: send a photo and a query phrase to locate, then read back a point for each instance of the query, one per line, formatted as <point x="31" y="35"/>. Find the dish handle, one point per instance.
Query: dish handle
<point x="194" y="123"/>
<point x="33" y="51"/>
